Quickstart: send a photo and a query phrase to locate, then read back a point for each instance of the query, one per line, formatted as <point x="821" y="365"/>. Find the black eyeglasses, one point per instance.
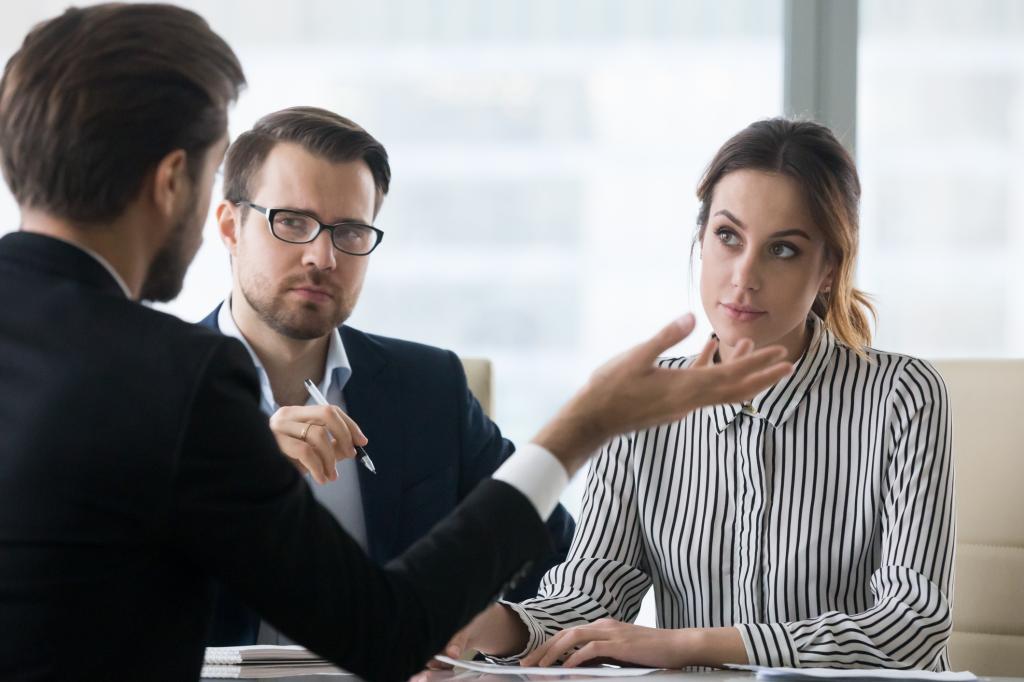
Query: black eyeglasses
<point x="296" y="227"/>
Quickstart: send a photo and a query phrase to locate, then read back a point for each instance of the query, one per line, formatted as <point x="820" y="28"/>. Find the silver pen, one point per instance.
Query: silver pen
<point x="319" y="399"/>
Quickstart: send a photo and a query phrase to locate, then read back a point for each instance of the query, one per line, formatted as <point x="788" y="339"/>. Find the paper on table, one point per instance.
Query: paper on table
<point x="857" y="674"/>
<point x="495" y="669"/>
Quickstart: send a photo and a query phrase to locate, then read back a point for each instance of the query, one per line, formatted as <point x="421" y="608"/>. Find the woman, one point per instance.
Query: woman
<point x="812" y="526"/>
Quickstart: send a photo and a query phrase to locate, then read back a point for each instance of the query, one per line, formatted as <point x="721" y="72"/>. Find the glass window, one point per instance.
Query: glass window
<point x="940" y="150"/>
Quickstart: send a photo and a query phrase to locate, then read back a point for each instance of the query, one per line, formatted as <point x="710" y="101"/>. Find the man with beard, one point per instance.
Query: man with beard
<point x="136" y="466"/>
<point x="302" y="190"/>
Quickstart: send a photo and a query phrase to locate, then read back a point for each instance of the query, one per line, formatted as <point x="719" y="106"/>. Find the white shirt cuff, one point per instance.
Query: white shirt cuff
<point x="536" y="473"/>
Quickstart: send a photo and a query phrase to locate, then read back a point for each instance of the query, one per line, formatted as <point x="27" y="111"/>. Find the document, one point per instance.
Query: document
<point x="781" y="674"/>
<point x="496" y="669"/>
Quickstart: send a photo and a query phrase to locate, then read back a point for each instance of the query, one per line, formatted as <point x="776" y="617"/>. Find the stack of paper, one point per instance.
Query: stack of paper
<point x="809" y="674"/>
<point x="263" y="661"/>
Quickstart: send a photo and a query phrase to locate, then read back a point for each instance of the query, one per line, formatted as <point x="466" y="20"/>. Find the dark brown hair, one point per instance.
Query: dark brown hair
<point x="95" y="97"/>
<point x="320" y="132"/>
<point x="812" y="156"/>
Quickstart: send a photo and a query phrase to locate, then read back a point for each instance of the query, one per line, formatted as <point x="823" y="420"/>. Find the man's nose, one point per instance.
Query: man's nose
<point x="320" y="252"/>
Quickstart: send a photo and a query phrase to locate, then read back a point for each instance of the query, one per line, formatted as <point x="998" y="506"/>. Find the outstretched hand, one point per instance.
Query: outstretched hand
<point x="630" y="392"/>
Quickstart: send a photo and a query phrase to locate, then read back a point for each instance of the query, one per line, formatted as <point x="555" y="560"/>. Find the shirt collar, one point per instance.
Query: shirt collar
<point x="777" y="403"/>
<point x="337" y="369"/>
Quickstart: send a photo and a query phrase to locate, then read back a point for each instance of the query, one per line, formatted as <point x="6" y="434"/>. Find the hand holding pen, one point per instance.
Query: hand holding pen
<point x="316" y="437"/>
<point x="319" y="399"/>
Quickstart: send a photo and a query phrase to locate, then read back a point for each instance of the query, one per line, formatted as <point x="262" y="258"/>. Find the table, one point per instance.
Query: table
<point x="663" y="676"/>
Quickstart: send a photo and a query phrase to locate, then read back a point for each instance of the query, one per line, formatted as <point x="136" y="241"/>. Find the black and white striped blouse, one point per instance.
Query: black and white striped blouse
<point x="818" y="519"/>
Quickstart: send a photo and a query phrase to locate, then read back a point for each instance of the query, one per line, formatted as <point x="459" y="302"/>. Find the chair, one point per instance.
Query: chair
<point x="988" y="450"/>
<point x="478" y="374"/>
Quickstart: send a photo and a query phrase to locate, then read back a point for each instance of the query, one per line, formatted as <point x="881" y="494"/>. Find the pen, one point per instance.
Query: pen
<point x="319" y="399"/>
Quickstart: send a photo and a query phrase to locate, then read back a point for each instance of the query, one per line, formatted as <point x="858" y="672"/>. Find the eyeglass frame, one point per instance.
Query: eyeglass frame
<point x="269" y="214"/>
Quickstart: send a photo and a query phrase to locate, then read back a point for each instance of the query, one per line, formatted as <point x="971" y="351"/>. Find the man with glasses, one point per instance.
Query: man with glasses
<point x="302" y="189"/>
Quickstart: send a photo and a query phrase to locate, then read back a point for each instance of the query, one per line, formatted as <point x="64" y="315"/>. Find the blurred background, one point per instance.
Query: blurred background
<point x="545" y="155"/>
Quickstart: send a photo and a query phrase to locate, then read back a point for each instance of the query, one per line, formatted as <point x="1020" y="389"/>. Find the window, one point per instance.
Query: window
<point x="940" y="146"/>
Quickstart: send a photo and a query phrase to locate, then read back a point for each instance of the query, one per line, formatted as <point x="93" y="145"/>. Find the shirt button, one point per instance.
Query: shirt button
<point x="748" y="408"/>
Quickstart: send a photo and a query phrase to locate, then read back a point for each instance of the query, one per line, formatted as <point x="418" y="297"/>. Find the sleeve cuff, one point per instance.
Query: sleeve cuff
<point x="537" y="474"/>
<point x="769" y="644"/>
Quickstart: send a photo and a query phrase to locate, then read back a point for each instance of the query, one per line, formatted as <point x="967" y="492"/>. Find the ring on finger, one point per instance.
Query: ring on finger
<point x="305" y="431"/>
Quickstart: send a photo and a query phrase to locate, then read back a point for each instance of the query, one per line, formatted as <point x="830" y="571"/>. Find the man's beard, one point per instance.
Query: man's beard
<point x="302" y="323"/>
<point x="166" y="273"/>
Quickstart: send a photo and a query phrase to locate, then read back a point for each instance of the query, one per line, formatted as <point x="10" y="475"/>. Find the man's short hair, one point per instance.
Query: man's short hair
<point x="95" y="97"/>
<point x="318" y="131"/>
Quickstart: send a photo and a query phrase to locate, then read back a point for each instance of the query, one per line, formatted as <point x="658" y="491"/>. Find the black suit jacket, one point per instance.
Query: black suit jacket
<point x="431" y="443"/>
<point x="136" y="468"/>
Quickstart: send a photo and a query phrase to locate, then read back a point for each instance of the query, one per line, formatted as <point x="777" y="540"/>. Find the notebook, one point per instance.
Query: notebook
<point x="259" y="660"/>
<point x="258" y="670"/>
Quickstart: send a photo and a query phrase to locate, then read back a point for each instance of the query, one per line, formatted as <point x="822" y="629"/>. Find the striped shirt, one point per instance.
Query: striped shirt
<point x="817" y="519"/>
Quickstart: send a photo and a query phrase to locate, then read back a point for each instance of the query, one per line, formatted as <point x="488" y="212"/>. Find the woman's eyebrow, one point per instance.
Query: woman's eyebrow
<point x="731" y="217"/>
<point x="782" y="233"/>
<point x="787" y="233"/>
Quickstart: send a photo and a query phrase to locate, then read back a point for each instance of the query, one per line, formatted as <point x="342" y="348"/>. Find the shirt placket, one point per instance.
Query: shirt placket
<point x="750" y="512"/>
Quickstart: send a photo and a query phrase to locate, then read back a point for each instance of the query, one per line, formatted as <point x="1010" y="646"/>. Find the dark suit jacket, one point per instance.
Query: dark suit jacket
<point x="431" y="443"/>
<point x="136" y="468"/>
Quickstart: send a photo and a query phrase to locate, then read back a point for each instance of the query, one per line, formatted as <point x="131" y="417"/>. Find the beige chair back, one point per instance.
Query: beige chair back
<point x="988" y="451"/>
<point x="478" y="374"/>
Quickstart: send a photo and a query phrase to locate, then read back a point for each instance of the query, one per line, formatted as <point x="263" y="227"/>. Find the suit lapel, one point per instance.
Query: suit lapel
<point x="370" y="396"/>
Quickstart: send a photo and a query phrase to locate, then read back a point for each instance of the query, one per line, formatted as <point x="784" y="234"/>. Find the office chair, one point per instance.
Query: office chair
<point x="988" y="451"/>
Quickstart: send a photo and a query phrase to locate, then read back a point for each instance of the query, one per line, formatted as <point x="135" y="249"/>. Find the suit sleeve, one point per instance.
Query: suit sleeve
<point x="482" y="451"/>
<point x="242" y="513"/>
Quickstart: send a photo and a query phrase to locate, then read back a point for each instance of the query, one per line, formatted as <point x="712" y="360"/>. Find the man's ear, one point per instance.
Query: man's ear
<point x="228" y="224"/>
<point x="172" y="187"/>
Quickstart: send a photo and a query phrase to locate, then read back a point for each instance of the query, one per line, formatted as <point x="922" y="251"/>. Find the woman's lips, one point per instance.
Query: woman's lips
<point x="742" y="313"/>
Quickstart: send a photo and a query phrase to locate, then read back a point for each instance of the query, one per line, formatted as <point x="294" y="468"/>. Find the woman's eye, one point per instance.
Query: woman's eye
<point x="727" y="236"/>
<point x="782" y="250"/>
